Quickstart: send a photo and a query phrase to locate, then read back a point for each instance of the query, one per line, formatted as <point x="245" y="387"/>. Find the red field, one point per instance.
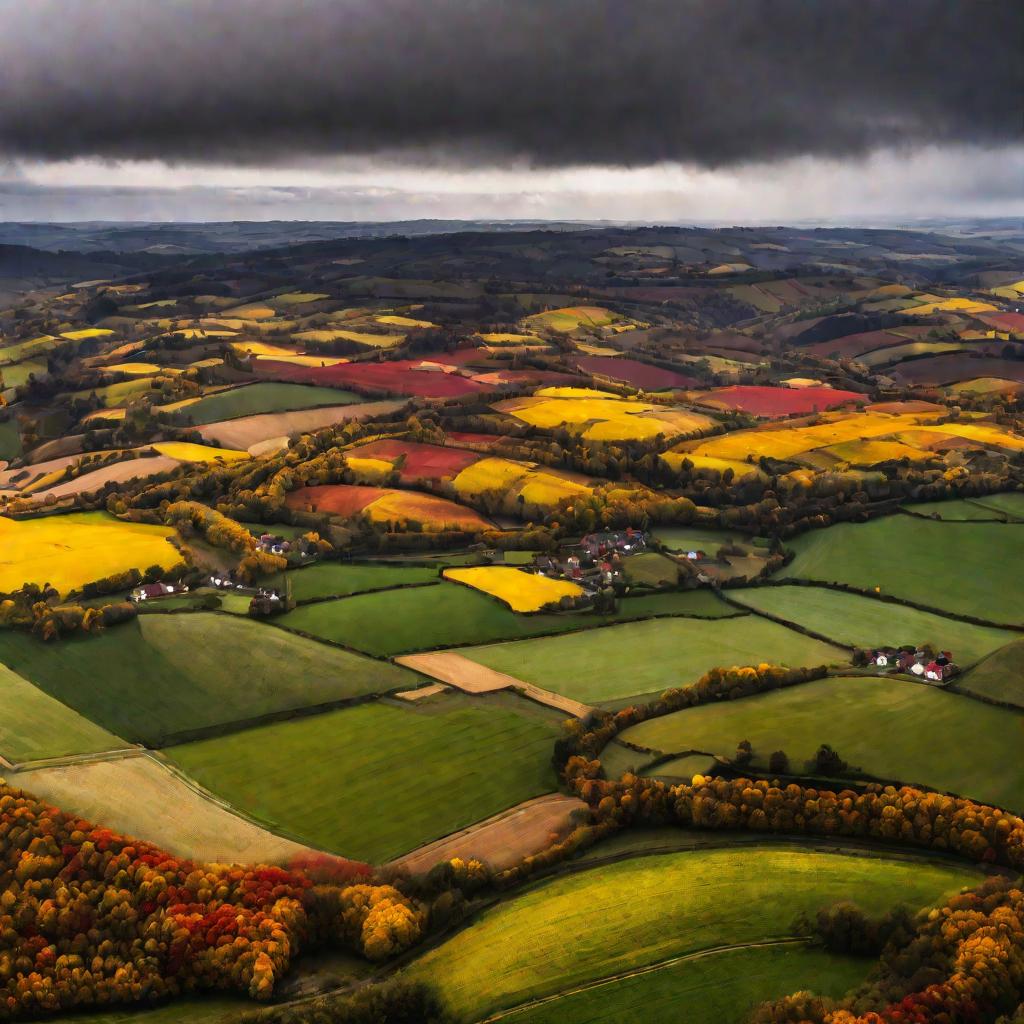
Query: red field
<point x="341" y="499"/>
<point x="853" y="345"/>
<point x="771" y="402"/>
<point x="401" y="377"/>
<point x="387" y="504"/>
<point x="483" y="441"/>
<point x="499" y="377"/>
<point x="1012" y="322"/>
<point x="421" y="461"/>
<point x="631" y="371"/>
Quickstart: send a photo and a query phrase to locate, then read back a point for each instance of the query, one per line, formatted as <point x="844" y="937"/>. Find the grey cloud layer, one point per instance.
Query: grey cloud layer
<point x="554" y="82"/>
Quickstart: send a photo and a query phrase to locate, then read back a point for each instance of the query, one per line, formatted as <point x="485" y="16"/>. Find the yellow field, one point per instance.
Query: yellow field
<point x="510" y="339"/>
<point x="297" y="298"/>
<point x="871" y="453"/>
<point x="492" y="474"/>
<point x="570" y="392"/>
<point x="604" y="419"/>
<point x="141" y="369"/>
<point x="251" y="311"/>
<point x="952" y="306"/>
<point x="546" y="489"/>
<point x="183" y="403"/>
<point x="729" y="268"/>
<point x="295" y="360"/>
<point x="596" y="350"/>
<point x="200" y="332"/>
<point x="201" y="363"/>
<point x="105" y="414"/>
<point x="369" y="470"/>
<point x="86" y="332"/>
<point x="188" y="452"/>
<point x="261" y="348"/>
<point x="361" y="337"/>
<point x="521" y="591"/>
<point x="740" y="469"/>
<point x="71" y="550"/>
<point x="570" y="317"/>
<point x="403" y="321"/>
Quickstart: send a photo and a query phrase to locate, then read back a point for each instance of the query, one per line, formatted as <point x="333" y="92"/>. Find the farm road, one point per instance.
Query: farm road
<point x="468" y="676"/>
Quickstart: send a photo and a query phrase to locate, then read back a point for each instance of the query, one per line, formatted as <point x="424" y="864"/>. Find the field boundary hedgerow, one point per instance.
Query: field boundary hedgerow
<point x="376" y="590"/>
<point x="779" y="620"/>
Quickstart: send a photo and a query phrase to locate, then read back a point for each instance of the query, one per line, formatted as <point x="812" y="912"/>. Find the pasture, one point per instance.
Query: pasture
<point x="521" y="591"/>
<point x="638" y="658"/>
<point x="334" y="579"/>
<point x="619" y="917"/>
<point x="200" y="670"/>
<point x="1000" y="676"/>
<point x="378" y="780"/>
<point x="889" y="728"/>
<point x="33" y="725"/>
<point x="904" y="557"/>
<point x="69" y="551"/>
<point x="865" y="622"/>
<point x="422" y="618"/>
<point x="132" y="795"/>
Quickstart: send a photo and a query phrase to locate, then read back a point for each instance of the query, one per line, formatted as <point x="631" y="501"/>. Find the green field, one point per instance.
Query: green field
<point x="710" y="989"/>
<point x="963" y="510"/>
<point x="162" y="675"/>
<point x="193" y="1010"/>
<point x="34" y="725"/>
<point x="864" y="622"/>
<point x="686" y="538"/>
<point x="10" y="438"/>
<point x="650" y="569"/>
<point x="891" y="729"/>
<point x="961" y="568"/>
<point x="648" y="657"/>
<point x="1010" y="505"/>
<point x="263" y="397"/>
<point x="378" y="780"/>
<point x="420" y="618"/>
<point x="336" y="579"/>
<point x="622" y="916"/>
<point x="1000" y="676"/>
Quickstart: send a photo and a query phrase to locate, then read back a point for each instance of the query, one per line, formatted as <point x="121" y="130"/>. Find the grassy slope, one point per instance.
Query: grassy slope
<point x="264" y="397"/>
<point x="644" y="657"/>
<point x="865" y="622"/>
<point x="892" y="729"/>
<point x="378" y="780"/>
<point x="1011" y="504"/>
<point x="34" y="725"/>
<point x="10" y="438"/>
<point x="721" y="987"/>
<point x="420" y="618"/>
<point x="965" y="568"/>
<point x="334" y="579"/>
<point x="685" y="538"/>
<point x="1000" y="676"/>
<point x="957" y="510"/>
<point x="621" y="916"/>
<point x="193" y="1010"/>
<point x="165" y="674"/>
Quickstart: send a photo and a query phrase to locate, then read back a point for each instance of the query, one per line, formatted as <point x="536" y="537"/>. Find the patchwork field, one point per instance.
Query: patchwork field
<point x="385" y="504"/>
<point x="69" y="551"/>
<point x="264" y="397"/>
<point x="133" y="794"/>
<point x="632" y="371"/>
<point x="647" y="910"/>
<point x="872" y="722"/>
<point x="321" y="778"/>
<point x="1000" y="676"/>
<point x="415" y="461"/>
<point x="521" y="591"/>
<point x="331" y="579"/>
<point x="423" y="618"/>
<point x="536" y="485"/>
<point x="901" y="555"/>
<point x="864" y="622"/>
<point x="396" y="377"/>
<point x="200" y="669"/>
<point x="647" y="657"/>
<point x="570" y="318"/>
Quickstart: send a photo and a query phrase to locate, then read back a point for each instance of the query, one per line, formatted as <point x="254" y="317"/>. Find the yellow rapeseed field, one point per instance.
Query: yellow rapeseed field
<point x="952" y="306"/>
<point x="570" y="317"/>
<point x="546" y="489"/>
<point x="510" y="339"/>
<point x="360" y="337"/>
<point x="491" y="474"/>
<point x="71" y="550"/>
<point x="369" y="470"/>
<point x="86" y="332"/>
<point x="403" y="321"/>
<point x="521" y="591"/>
<point x="261" y="348"/>
<point x="141" y="369"/>
<point x="297" y="298"/>
<point x="251" y="311"/>
<point x="188" y="452"/>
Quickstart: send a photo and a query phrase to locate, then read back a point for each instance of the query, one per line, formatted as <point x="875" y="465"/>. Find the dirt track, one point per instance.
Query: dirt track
<point x="502" y="840"/>
<point x="452" y="668"/>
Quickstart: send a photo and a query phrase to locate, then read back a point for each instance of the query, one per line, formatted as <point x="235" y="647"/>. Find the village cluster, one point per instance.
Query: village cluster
<point x="936" y="668"/>
<point x="593" y="561"/>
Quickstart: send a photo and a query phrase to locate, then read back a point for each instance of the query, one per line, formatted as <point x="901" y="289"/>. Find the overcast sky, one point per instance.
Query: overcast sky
<point x="654" y="110"/>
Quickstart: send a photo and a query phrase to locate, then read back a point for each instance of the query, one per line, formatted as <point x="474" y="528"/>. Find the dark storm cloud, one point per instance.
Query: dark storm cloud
<point x="554" y="82"/>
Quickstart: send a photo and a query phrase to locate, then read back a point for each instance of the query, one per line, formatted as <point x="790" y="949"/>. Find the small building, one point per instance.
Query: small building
<point x="152" y="591"/>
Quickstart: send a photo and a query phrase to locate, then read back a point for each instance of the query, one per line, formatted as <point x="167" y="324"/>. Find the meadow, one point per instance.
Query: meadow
<point x="960" y="568"/>
<point x="263" y="397"/>
<point x="200" y="670"/>
<point x="874" y="723"/>
<point x="33" y="725"/>
<point x="865" y="622"/>
<point x="627" y="915"/>
<point x="422" y="618"/>
<point x="378" y="780"/>
<point x="1000" y="676"/>
<point x="336" y="579"/>
<point x="69" y="551"/>
<point x="639" y="658"/>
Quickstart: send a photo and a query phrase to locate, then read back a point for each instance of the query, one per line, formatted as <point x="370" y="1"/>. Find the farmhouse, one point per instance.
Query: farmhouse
<point x="151" y="591"/>
<point x="915" y="661"/>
